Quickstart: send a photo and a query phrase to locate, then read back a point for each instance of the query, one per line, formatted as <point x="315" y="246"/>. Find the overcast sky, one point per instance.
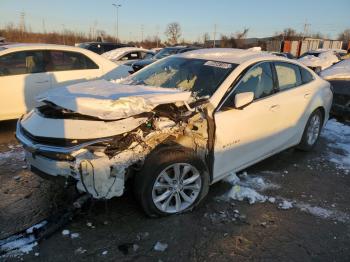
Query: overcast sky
<point x="263" y="18"/>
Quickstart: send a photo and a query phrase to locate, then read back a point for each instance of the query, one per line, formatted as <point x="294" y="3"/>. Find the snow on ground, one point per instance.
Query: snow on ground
<point x="20" y="244"/>
<point x="245" y="188"/>
<point x="15" y="152"/>
<point x="250" y="188"/>
<point x="338" y="136"/>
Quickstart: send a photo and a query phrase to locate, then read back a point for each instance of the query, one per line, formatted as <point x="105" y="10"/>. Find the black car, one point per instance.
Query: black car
<point x="167" y="51"/>
<point x="341" y="98"/>
<point x="100" y="47"/>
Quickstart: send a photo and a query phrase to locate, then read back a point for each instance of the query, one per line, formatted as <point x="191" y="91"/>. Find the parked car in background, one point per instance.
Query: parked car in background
<point x="284" y="54"/>
<point x="128" y="55"/>
<point x="320" y="59"/>
<point x="167" y="51"/>
<point x="339" y="77"/>
<point x="177" y="126"/>
<point x="26" y="70"/>
<point x="100" y="47"/>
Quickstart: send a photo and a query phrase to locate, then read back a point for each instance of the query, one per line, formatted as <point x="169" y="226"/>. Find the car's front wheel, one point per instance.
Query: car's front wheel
<point x="312" y="131"/>
<point x="171" y="182"/>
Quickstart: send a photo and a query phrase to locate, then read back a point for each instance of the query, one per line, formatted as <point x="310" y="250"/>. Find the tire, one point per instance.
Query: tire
<point x="312" y="131"/>
<point x="158" y="195"/>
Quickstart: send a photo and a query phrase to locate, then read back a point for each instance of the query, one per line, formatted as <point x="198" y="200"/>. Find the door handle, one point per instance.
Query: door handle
<point x="274" y="108"/>
<point x="307" y="95"/>
<point x="41" y="82"/>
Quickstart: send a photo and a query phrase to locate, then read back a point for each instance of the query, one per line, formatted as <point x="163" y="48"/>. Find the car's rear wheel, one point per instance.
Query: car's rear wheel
<point x="312" y="131"/>
<point x="171" y="182"/>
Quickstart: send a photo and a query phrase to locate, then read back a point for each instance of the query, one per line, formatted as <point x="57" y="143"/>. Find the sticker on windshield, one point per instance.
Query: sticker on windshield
<point x="218" y="64"/>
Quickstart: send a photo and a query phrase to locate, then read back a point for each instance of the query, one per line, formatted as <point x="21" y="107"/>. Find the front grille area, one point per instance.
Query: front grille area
<point x="62" y="142"/>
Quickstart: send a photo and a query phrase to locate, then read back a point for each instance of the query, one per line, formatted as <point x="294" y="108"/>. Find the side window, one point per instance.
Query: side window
<point x="64" y="61"/>
<point x="131" y="56"/>
<point x="306" y="76"/>
<point x="25" y="62"/>
<point x="288" y="75"/>
<point x="258" y="80"/>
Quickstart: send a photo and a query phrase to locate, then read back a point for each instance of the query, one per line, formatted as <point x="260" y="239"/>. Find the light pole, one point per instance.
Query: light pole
<point x="116" y="21"/>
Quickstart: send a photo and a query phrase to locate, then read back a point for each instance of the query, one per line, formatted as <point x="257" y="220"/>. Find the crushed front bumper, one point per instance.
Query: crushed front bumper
<point x="95" y="173"/>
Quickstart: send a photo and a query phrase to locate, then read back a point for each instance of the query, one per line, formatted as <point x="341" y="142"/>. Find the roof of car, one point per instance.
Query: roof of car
<point x="228" y="55"/>
<point x="37" y="46"/>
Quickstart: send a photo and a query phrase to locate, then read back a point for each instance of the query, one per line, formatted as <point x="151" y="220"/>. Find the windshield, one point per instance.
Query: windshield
<point x="165" y="52"/>
<point x="201" y="77"/>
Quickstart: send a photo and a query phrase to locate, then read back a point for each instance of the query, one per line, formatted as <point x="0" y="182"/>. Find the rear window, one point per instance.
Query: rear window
<point x="288" y="75"/>
<point x="306" y="76"/>
<point x="64" y="61"/>
<point x="24" y="62"/>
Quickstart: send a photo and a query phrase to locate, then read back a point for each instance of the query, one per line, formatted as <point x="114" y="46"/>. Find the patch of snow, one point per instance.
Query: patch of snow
<point x="246" y="186"/>
<point x="323" y="212"/>
<point x="104" y="252"/>
<point x="240" y="193"/>
<point x="65" y="232"/>
<point x="340" y="70"/>
<point x="17" y="154"/>
<point x="74" y="235"/>
<point x="285" y="204"/>
<point x="80" y="250"/>
<point x="338" y="136"/>
<point x="37" y="226"/>
<point x="323" y="60"/>
<point x="161" y="247"/>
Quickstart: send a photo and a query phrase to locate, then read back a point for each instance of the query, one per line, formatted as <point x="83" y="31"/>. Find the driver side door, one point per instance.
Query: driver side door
<point x="245" y="135"/>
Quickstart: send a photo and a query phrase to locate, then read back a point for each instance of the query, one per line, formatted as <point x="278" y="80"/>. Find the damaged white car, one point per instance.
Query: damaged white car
<point x="177" y="126"/>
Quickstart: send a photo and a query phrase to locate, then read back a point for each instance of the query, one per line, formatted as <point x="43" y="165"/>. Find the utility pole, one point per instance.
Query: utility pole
<point x="142" y="33"/>
<point x="214" y="44"/>
<point x="22" y="24"/>
<point x="306" y="28"/>
<point x="157" y="35"/>
<point x="116" y="22"/>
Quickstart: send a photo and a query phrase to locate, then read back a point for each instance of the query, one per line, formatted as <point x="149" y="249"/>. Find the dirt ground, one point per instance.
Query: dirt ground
<point x="316" y="228"/>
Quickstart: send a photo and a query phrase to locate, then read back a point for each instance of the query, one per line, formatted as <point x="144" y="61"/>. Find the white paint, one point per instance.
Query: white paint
<point x="123" y="54"/>
<point x="41" y="126"/>
<point x="18" y="92"/>
<point x="112" y="101"/>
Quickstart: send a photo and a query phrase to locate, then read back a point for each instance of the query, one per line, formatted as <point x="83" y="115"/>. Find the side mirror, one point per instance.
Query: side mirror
<point x="243" y="99"/>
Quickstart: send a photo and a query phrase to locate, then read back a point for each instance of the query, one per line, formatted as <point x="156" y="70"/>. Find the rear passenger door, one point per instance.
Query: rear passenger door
<point x="294" y="93"/>
<point x="71" y="67"/>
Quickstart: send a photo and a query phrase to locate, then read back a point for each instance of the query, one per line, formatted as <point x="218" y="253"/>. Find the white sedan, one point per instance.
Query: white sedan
<point x="176" y="126"/>
<point x="26" y="70"/>
<point x="128" y="55"/>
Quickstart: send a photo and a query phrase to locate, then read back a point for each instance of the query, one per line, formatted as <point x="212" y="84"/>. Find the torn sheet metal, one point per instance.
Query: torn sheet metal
<point x="78" y="129"/>
<point x="111" y="101"/>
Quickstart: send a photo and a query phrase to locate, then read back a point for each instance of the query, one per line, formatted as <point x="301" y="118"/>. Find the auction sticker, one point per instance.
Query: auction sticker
<point x="218" y="64"/>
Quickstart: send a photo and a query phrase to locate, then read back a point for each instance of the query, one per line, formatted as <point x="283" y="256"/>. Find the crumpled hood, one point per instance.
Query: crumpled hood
<point x="111" y="101"/>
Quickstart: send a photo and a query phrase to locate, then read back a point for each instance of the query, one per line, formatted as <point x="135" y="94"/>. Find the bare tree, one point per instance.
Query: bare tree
<point x="173" y="32"/>
<point x="206" y="38"/>
<point x="345" y="35"/>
